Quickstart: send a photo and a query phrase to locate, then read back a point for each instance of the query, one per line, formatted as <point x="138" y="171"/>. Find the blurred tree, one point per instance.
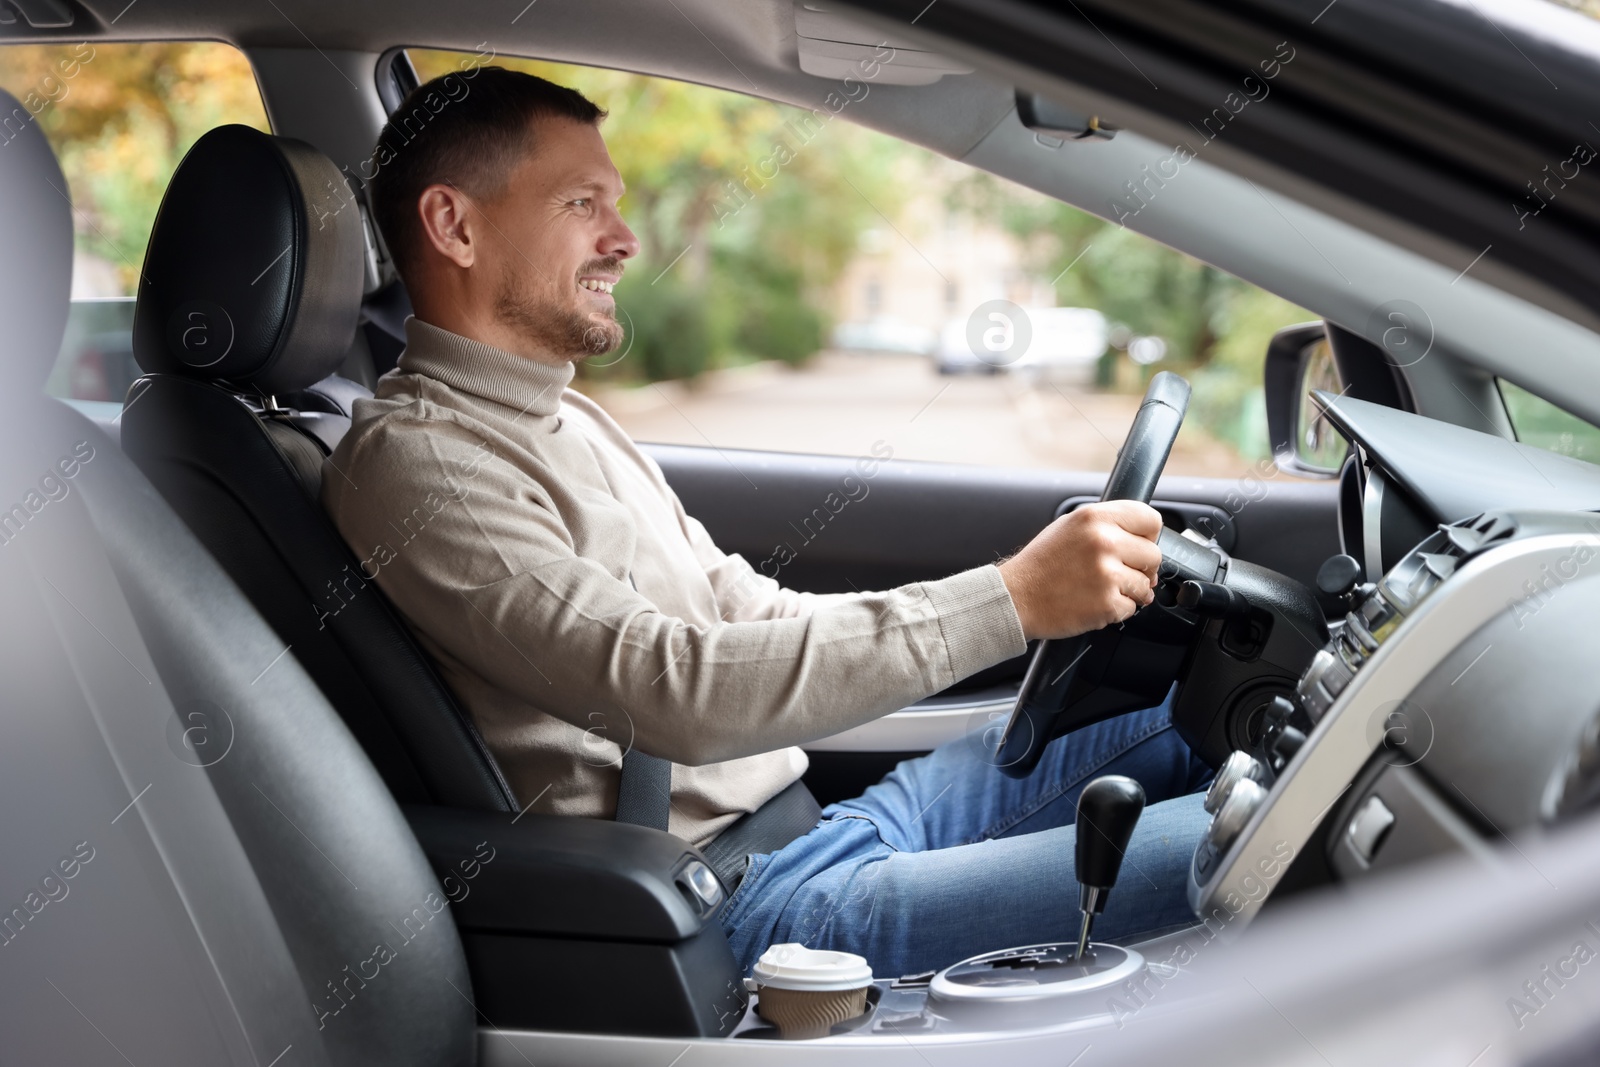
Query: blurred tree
<point x="121" y="122"/>
<point x="1216" y="326"/>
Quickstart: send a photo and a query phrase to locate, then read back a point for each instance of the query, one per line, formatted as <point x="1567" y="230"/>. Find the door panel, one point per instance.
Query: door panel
<point x="832" y="524"/>
<point x="822" y="524"/>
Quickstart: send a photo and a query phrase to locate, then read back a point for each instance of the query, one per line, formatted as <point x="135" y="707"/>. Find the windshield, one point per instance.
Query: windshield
<point x="1542" y="424"/>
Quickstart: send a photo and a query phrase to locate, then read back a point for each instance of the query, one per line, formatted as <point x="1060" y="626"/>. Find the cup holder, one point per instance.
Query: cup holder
<point x="757" y="1028"/>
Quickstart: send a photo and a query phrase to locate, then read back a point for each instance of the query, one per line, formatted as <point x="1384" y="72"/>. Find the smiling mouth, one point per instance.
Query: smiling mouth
<point x="596" y="285"/>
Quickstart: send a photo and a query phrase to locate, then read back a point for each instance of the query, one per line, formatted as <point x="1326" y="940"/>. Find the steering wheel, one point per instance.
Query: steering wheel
<point x="1042" y="700"/>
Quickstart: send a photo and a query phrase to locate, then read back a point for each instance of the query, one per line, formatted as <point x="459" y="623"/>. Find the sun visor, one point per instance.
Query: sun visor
<point x="834" y="46"/>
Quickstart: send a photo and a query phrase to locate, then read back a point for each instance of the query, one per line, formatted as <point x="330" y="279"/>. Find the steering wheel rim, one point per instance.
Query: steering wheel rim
<point x="1140" y="461"/>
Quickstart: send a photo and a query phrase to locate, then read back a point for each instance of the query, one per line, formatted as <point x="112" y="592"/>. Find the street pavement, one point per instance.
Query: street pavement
<point x="842" y="403"/>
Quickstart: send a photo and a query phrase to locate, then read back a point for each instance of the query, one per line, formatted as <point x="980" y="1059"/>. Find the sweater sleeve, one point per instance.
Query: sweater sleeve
<point x="494" y="577"/>
<point x="743" y="593"/>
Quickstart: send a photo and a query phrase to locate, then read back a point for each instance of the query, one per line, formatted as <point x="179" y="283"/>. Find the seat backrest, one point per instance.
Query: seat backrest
<point x="250" y="291"/>
<point x="199" y="864"/>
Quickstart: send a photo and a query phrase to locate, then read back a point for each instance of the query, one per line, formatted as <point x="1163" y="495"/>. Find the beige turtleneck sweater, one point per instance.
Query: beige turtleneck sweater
<point x="575" y="609"/>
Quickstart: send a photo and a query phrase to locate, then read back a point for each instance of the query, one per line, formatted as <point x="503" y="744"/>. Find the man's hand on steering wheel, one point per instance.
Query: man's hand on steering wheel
<point x="1092" y="568"/>
<point x="1087" y="570"/>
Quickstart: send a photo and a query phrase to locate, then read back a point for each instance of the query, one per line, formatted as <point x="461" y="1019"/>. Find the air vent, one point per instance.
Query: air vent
<point x="1433" y="561"/>
<point x="1471" y="536"/>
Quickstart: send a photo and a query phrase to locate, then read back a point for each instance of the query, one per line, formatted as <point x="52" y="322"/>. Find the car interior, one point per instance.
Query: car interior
<point x="271" y="802"/>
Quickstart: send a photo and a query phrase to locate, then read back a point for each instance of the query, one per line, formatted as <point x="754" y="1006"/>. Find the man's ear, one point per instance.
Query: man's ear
<point x="445" y="215"/>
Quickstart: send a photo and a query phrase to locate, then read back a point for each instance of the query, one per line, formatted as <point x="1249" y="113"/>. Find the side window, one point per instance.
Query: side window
<point x="808" y="285"/>
<point x="120" y="116"/>
<point x="1540" y="423"/>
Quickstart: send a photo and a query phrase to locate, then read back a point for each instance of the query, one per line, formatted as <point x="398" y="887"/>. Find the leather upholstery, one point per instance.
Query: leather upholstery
<point x="245" y="476"/>
<point x="254" y="270"/>
<point x="35" y="260"/>
<point x="237" y="858"/>
<point x="291" y="854"/>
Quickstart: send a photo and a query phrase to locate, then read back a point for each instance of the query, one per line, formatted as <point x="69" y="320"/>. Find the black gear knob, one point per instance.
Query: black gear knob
<point x="1108" y="809"/>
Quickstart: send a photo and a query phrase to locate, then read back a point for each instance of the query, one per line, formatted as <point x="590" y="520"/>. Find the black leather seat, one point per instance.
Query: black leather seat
<point x="248" y="301"/>
<point x="243" y="887"/>
<point x="203" y="863"/>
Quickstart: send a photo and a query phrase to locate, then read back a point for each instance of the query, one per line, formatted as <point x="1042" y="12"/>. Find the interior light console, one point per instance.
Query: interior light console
<point x="1268" y="803"/>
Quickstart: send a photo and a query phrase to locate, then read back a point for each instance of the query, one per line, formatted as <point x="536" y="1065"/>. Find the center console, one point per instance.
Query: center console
<point x="1352" y="703"/>
<point x="1032" y="987"/>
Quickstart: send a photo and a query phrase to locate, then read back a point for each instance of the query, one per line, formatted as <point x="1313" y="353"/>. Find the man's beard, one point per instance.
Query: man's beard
<point x="563" y="330"/>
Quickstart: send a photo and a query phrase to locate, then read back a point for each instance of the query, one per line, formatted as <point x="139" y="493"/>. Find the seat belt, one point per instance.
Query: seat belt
<point x="787" y="817"/>
<point x="644" y="799"/>
<point x="644" y="795"/>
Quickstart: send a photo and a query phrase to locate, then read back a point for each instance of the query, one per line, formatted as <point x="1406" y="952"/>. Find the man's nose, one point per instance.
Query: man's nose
<point x="619" y="241"/>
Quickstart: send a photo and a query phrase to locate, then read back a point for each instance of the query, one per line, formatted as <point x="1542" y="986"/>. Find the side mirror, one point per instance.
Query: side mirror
<point x="1300" y="360"/>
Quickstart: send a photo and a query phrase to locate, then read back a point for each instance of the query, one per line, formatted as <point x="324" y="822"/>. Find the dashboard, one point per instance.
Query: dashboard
<point x="1457" y="697"/>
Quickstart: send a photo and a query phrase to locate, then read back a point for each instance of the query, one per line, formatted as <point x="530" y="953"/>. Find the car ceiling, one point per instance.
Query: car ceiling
<point x="1237" y="206"/>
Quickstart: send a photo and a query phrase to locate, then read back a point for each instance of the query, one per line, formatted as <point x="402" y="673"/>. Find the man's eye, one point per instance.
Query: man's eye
<point x="584" y="202"/>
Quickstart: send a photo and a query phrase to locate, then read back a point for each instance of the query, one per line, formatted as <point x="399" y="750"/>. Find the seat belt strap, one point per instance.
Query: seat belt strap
<point x="785" y="818"/>
<point x="644" y="795"/>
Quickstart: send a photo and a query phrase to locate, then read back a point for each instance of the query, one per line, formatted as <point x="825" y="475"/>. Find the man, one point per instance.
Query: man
<point x="580" y="614"/>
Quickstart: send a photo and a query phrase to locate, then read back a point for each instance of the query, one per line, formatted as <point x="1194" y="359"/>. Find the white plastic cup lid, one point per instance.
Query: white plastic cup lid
<point x="793" y="966"/>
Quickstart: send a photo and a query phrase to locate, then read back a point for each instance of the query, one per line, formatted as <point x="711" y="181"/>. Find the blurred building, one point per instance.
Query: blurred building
<point x="931" y="266"/>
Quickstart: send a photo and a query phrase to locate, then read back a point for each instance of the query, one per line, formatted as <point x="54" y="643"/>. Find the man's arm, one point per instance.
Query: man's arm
<point x="493" y="577"/>
<point x="743" y="593"/>
<point x="1084" y="571"/>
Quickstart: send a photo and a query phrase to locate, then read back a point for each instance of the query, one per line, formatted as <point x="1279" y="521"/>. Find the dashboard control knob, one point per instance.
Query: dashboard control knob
<point x="1319" y="666"/>
<point x="1336" y="580"/>
<point x="1284" y="747"/>
<point x="1242" y="802"/>
<point x="1239" y="766"/>
<point x="1280" y="711"/>
<point x="1356" y="627"/>
<point x="1322" y="683"/>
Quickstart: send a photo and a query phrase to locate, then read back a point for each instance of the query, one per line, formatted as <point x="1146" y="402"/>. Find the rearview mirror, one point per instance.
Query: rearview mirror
<point x="1300" y="361"/>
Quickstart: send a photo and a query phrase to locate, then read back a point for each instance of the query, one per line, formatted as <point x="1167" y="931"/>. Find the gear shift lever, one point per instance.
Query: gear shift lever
<point x="1108" y="809"/>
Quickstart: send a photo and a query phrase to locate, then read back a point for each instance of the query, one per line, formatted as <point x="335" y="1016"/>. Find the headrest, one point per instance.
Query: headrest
<point x="36" y="254"/>
<point x="254" y="271"/>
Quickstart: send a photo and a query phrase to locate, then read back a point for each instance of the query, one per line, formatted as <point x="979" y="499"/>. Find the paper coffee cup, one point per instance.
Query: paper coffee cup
<point x="806" y="992"/>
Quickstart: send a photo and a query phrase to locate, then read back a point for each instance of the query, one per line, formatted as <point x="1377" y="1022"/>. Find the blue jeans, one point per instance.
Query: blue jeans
<point x="948" y="857"/>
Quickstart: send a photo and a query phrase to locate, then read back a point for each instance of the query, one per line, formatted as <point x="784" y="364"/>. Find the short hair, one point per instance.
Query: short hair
<point x="469" y="128"/>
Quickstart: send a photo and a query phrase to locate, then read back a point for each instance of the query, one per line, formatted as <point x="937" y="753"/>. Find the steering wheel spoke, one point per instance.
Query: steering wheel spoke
<point x="1048" y="686"/>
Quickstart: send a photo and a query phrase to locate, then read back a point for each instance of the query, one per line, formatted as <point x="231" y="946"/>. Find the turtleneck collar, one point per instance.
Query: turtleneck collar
<point x="492" y="373"/>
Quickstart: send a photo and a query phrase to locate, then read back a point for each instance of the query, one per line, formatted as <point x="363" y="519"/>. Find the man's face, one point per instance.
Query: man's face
<point x="555" y="243"/>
